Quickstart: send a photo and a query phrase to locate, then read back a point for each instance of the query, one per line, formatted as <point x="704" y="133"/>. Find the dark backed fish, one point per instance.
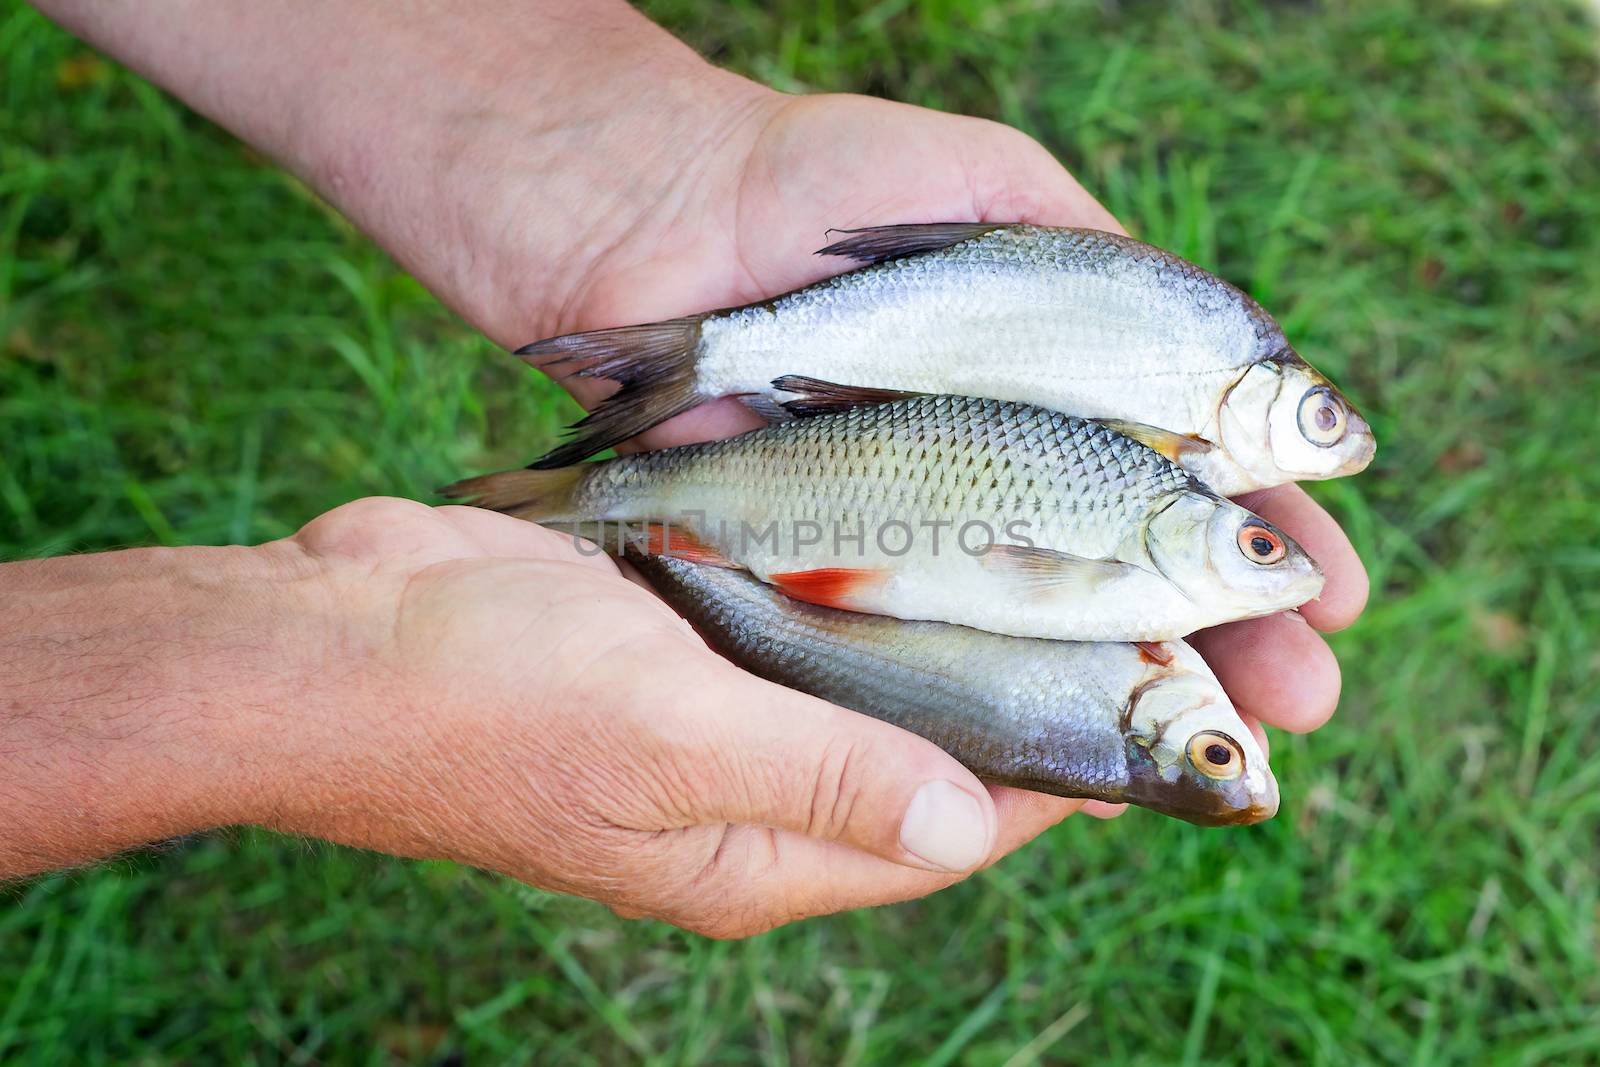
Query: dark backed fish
<point x="1148" y="725"/>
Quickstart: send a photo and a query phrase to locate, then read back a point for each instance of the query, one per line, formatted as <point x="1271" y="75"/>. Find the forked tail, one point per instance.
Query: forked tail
<point x="654" y="363"/>
<point x="540" y="496"/>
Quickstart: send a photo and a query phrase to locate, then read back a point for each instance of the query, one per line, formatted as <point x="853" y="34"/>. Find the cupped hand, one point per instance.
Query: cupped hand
<point x="516" y="703"/>
<point x="743" y="228"/>
<point x="484" y="690"/>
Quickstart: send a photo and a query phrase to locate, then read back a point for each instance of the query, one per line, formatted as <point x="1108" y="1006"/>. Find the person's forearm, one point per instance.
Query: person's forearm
<point x="408" y="117"/>
<point x="137" y="695"/>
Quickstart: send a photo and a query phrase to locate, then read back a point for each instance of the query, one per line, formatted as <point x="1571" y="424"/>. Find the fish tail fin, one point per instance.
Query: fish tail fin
<point x="538" y="495"/>
<point x="654" y="363"/>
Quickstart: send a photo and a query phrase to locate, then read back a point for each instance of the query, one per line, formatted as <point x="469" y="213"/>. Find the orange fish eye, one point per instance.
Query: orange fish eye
<point x="1261" y="544"/>
<point x="1216" y="755"/>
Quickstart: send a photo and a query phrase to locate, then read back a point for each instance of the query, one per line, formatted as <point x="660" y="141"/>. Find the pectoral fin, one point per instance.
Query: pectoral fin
<point x="1043" y="570"/>
<point x="1175" y="446"/>
<point x="1157" y="652"/>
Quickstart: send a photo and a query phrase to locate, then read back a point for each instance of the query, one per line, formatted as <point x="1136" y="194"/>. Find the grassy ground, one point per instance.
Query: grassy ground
<point x="193" y="350"/>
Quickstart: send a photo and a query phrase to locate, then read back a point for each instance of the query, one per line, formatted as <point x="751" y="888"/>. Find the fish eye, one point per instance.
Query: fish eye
<point x="1216" y="755"/>
<point x="1261" y="544"/>
<point x="1322" y="417"/>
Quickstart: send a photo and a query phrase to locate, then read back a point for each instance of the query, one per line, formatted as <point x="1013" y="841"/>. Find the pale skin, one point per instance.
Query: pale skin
<point x="449" y="682"/>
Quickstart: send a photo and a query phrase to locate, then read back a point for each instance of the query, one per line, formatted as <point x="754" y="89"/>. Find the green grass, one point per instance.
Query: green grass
<point x="192" y="349"/>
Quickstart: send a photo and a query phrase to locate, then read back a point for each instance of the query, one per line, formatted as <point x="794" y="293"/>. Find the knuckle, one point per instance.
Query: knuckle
<point x="841" y="780"/>
<point x="732" y="923"/>
<point x="735" y="890"/>
<point x="690" y="766"/>
<point x="379" y="522"/>
<point x="372" y="511"/>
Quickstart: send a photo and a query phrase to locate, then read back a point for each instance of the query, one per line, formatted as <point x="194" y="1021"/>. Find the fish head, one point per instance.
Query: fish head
<point x="1221" y="554"/>
<point x="1282" y="422"/>
<point x="1189" y="753"/>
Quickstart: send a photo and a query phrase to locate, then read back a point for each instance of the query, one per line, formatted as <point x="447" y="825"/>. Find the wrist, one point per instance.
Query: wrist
<point x="538" y="147"/>
<point x="528" y="205"/>
<point x="491" y="149"/>
<point x="142" y="692"/>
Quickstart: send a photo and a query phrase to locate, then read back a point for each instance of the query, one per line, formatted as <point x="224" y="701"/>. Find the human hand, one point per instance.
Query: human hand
<point x="744" y="231"/>
<point x="570" y="166"/>
<point x="507" y="701"/>
<point x="450" y="682"/>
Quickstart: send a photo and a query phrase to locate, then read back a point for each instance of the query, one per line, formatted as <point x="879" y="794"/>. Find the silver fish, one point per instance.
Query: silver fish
<point x="1081" y="321"/>
<point x="1006" y="517"/>
<point x="1146" y="725"/>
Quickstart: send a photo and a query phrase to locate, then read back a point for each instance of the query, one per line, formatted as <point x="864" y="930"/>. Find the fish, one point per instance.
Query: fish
<point x="1086" y="322"/>
<point x="1005" y="517"/>
<point x="1147" y="725"/>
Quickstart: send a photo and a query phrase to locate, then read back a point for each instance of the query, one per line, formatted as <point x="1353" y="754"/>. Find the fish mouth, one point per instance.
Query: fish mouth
<point x="1245" y="801"/>
<point x="1354" y="452"/>
<point x="1304" y="588"/>
<point x="1357" y="429"/>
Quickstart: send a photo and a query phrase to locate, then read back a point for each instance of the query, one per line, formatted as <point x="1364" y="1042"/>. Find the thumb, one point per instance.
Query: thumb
<point x="770" y="756"/>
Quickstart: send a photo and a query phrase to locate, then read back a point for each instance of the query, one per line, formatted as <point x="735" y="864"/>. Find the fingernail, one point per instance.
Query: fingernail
<point x="945" y="828"/>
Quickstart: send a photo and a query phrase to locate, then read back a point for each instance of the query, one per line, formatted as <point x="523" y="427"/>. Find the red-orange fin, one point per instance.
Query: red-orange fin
<point x="1154" y="652"/>
<point x="675" y="542"/>
<point x="831" y="587"/>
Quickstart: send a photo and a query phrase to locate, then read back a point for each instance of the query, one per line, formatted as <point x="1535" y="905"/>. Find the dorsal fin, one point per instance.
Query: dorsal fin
<point x="874" y="244"/>
<point x="813" y="396"/>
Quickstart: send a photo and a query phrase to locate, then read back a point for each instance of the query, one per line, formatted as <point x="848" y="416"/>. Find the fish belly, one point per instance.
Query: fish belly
<point x="1082" y="344"/>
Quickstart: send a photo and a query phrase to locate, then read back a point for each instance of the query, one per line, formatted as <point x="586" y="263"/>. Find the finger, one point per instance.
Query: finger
<point x="1101" y="809"/>
<point x="1024" y="814"/>
<point x="1277" y="669"/>
<point x="1345" y="592"/>
<point x="748" y="879"/>
<point x="737" y="881"/>
<point x="770" y="756"/>
<point x="1016" y="179"/>
<point x="711" y="421"/>
<point x="1259" y="732"/>
<point x="499" y="535"/>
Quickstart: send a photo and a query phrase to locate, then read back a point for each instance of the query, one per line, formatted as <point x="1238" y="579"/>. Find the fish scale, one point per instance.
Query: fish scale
<point x="980" y="512"/>
<point x="1111" y="287"/>
<point x="947" y="456"/>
